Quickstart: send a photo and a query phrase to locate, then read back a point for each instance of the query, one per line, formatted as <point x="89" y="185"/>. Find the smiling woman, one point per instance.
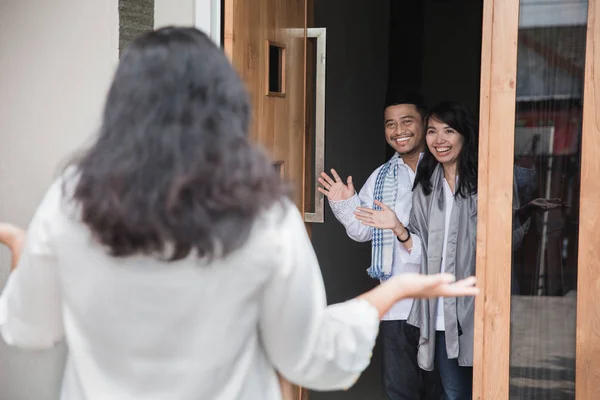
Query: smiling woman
<point x="445" y="143"/>
<point x="441" y="236"/>
<point x="452" y="141"/>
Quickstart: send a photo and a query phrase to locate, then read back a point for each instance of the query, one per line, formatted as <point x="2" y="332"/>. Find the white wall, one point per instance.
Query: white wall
<point x="203" y="14"/>
<point x="57" y="58"/>
<point x="173" y="12"/>
<point x="208" y="18"/>
<point x="56" y="61"/>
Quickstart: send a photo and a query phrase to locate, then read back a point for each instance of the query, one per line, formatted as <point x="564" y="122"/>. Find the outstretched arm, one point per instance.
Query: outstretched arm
<point x="12" y="237"/>
<point x="327" y="347"/>
<point x="30" y="304"/>
<point x="540" y="204"/>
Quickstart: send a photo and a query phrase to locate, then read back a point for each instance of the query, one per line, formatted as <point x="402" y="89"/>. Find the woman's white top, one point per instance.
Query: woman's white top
<point x="440" y="323"/>
<point x="140" y="328"/>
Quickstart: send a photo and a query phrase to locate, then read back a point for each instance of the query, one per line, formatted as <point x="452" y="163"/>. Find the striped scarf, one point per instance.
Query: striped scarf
<point x="382" y="244"/>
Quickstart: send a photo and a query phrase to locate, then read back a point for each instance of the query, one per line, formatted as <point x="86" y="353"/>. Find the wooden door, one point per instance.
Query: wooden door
<point x="266" y="42"/>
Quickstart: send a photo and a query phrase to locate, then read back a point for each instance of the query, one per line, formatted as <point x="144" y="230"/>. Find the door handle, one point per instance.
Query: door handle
<point x="320" y="34"/>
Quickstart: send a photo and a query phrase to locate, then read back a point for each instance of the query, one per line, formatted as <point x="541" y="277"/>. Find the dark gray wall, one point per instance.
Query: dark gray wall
<point x="452" y="51"/>
<point x="405" y="48"/>
<point x="435" y="47"/>
<point x="357" y="49"/>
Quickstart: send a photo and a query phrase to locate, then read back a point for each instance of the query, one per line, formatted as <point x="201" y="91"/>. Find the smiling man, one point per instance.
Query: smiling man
<point x="392" y="185"/>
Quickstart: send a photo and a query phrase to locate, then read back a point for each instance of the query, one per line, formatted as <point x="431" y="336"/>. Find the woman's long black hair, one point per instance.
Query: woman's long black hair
<point x="459" y="118"/>
<point x="173" y="171"/>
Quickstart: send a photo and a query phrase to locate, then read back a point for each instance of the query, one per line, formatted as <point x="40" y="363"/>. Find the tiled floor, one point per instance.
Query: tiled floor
<point x="543" y="348"/>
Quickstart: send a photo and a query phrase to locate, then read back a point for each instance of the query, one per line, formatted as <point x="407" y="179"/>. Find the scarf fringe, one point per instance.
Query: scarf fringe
<point x="376" y="273"/>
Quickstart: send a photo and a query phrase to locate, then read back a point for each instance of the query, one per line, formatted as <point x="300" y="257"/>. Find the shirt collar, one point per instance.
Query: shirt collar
<point x="401" y="160"/>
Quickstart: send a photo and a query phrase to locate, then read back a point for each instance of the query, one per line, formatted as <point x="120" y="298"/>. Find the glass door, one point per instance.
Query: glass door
<point x="537" y="332"/>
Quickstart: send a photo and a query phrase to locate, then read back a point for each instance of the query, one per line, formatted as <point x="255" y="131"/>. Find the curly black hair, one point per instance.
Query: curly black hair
<point x="172" y="172"/>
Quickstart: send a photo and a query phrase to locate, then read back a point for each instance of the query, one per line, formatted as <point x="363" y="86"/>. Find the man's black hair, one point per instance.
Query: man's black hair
<point x="413" y="98"/>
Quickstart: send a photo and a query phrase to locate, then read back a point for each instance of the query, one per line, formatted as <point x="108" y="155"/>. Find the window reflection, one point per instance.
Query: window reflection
<point x="550" y="67"/>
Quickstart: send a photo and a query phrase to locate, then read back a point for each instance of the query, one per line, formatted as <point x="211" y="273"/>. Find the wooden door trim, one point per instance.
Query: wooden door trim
<point x="228" y="28"/>
<point x="587" y="364"/>
<point x="494" y="224"/>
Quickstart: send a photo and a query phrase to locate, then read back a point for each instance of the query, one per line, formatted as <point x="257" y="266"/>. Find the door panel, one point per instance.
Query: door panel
<point x="278" y="123"/>
<point x="549" y="93"/>
<point x="259" y="36"/>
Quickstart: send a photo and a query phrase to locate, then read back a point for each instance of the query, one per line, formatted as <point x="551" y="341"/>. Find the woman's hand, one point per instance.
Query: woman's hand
<point x="385" y="218"/>
<point x="12" y="237"/>
<point x="542" y="205"/>
<point x="411" y="285"/>
<point x="417" y="286"/>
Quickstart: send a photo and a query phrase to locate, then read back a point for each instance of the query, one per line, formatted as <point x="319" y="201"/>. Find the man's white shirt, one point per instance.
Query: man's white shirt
<point x="403" y="261"/>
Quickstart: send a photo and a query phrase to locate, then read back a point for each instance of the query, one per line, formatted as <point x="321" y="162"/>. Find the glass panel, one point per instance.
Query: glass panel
<point x="550" y="66"/>
<point x="275" y="69"/>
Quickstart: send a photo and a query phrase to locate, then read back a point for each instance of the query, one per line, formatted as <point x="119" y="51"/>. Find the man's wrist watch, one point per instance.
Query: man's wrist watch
<point x="407" y="236"/>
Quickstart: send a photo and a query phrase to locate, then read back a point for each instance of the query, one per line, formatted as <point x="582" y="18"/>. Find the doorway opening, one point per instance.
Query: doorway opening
<point x="375" y="51"/>
<point x="385" y="49"/>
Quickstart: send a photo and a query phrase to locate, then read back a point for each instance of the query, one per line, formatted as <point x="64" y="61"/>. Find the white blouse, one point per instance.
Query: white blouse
<point x="138" y="328"/>
<point x="440" y="322"/>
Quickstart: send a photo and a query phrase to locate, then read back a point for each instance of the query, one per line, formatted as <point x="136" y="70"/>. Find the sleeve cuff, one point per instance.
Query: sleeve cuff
<point x="17" y="333"/>
<point x="353" y="353"/>
<point x="414" y="256"/>
<point x="344" y="209"/>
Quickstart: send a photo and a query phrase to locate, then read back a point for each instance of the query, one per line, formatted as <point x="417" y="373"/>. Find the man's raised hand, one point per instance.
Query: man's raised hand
<point x="335" y="189"/>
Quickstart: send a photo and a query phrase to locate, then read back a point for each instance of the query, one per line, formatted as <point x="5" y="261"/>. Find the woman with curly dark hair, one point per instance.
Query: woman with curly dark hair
<point x="170" y="259"/>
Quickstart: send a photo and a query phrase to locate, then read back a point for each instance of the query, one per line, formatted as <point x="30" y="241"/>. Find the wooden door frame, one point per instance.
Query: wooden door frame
<point x="491" y="373"/>
<point x="587" y="367"/>
<point x="494" y="221"/>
